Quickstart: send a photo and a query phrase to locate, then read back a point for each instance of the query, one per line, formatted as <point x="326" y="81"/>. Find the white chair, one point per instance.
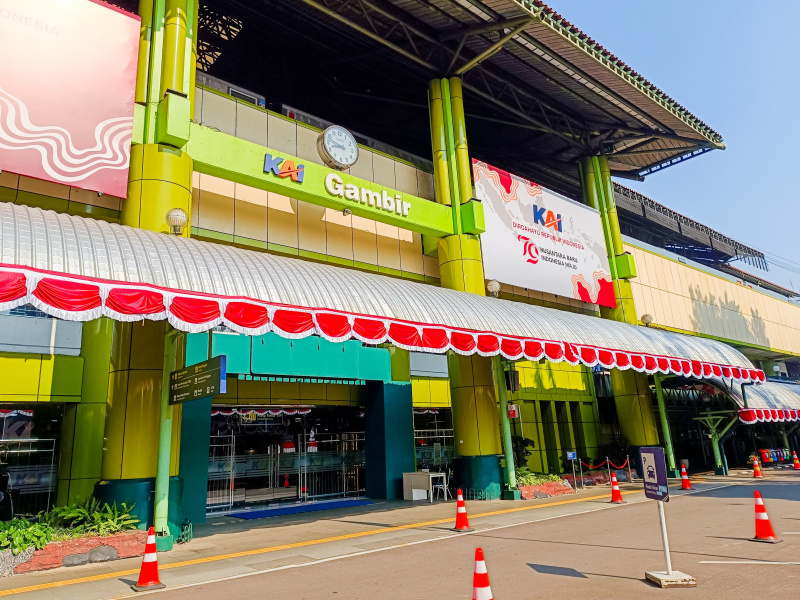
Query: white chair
<point x="440" y="488"/>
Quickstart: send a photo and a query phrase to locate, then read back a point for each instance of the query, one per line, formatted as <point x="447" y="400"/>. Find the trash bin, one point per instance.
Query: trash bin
<point x="141" y="493"/>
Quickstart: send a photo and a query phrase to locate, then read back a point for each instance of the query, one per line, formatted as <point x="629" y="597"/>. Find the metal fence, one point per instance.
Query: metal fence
<point x="32" y="473"/>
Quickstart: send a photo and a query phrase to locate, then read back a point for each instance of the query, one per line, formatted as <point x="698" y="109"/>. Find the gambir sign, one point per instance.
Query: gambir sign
<point x="539" y="240"/>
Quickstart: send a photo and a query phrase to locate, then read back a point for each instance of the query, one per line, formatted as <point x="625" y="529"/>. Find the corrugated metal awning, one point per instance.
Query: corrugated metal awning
<point x="80" y="269"/>
<point x="771" y="401"/>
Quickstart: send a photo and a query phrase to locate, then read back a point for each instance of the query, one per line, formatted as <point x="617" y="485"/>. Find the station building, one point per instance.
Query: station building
<point x="297" y="187"/>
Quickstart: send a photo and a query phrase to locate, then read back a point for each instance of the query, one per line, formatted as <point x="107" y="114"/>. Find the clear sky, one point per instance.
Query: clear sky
<point x="734" y="65"/>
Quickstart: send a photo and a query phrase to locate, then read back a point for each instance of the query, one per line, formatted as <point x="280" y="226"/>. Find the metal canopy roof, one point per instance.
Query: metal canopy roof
<point x="771" y="401"/>
<point x="522" y="56"/>
<point x="80" y="269"/>
<point x="539" y="93"/>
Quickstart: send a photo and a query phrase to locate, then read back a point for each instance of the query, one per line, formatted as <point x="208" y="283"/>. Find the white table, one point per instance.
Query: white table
<point x="422" y="480"/>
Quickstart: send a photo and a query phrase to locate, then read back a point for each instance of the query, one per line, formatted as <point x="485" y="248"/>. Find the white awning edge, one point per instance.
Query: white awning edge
<point x="79" y="269"/>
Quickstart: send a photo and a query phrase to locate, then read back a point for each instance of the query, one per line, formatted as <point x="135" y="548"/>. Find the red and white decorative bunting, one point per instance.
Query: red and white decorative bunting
<point x="82" y="299"/>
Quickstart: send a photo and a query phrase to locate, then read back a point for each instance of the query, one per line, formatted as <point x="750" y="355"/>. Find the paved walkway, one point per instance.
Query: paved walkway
<point x="228" y="547"/>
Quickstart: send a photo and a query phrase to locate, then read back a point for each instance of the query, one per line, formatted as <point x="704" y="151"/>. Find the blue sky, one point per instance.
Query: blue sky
<point x="733" y="64"/>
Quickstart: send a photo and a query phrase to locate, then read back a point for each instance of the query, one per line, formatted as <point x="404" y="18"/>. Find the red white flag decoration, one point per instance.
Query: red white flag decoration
<point x="539" y="240"/>
<point x="67" y="84"/>
<point x="80" y="269"/>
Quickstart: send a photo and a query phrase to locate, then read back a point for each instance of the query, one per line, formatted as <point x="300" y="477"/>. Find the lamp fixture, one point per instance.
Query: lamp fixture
<point x="347" y="212"/>
<point x="493" y="287"/>
<point x="177" y="219"/>
<point x="647" y="319"/>
<point x="99" y="193"/>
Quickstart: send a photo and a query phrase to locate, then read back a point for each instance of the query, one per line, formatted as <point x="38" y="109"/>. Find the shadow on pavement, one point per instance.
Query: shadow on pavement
<point x="553" y="570"/>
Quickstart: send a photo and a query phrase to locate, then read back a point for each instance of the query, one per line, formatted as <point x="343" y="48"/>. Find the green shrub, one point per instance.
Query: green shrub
<point x="21" y="534"/>
<point x="525" y="477"/>
<point x="91" y="518"/>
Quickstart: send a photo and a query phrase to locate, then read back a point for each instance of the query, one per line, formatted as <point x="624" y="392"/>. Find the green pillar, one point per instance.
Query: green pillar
<point x="84" y="423"/>
<point x="508" y="445"/>
<point x="632" y="394"/>
<point x="475" y="416"/>
<point x="662" y="412"/>
<point x="165" y="434"/>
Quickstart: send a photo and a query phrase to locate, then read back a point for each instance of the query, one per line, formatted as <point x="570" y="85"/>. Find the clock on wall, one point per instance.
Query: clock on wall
<point x="337" y="147"/>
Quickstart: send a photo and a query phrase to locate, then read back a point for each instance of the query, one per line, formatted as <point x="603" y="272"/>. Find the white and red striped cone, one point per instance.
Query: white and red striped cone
<point x="685" y="483"/>
<point x="462" y="522"/>
<point x="288" y="446"/>
<point x="148" y="575"/>
<point x="764" y="530"/>
<point x="757" y="469"/>
<point x="480" y="579"/>
<point x="312" y="447"/>
<point x="795" y="461"/>
<point x="616" y="495"/>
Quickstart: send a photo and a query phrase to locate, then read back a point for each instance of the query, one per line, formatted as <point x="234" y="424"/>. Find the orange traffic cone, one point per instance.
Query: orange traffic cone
<point x="616" y="495"/>
<point x="757" y="469"/>
<point x="148" y="576"/>
<point x="480" y="579"/>
<point x="685" y="483"/>
<point x="764" y="530"/>
<point x="462" y="522"/>
<point x="795" y="461"/>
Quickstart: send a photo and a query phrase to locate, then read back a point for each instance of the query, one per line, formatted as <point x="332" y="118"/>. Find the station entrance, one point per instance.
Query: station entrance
<point x="263" y="455"/>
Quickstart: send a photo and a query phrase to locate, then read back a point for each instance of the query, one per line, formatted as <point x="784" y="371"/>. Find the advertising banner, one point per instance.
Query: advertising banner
<point x="540" y="240"/>
<point x="67" y="84"/>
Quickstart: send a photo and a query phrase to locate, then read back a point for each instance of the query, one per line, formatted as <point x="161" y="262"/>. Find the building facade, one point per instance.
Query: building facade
<point x="351" y="304"/>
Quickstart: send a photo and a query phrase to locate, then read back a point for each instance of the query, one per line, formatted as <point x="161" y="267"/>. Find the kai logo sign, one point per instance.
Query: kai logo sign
<point x="280" y="167"/>
<point x="542" y="216"/>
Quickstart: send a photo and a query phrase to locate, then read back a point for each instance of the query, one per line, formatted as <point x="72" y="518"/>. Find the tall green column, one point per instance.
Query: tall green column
<point x="632" y="394"/>
<point x="165" y="434"/>
<point x="508" y="446"/>
<point x="475" y="416"/>
<point x="662" y="412"/>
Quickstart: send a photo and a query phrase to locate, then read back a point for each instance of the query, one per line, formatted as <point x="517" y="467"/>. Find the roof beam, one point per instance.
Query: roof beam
<point x="485" y="28"/>
<point x="493" y="49"/>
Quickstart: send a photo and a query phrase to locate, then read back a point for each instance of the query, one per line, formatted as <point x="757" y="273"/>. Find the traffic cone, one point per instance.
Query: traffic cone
<point x="462" y="522"/>
<point x="148" y="576"/>
<point x="764" y="530"/>
<point x="286" y="481"/>
<point x="757" y="469"/>
<point x="795" y="461"/>
<point x="685" y="483"/>
<point x="616" y="495"/>
<point x="480" y="579"/>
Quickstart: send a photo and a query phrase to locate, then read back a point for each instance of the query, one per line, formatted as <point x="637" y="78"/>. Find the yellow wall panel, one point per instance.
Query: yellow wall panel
<point x="365" y="240"/>
<point x="311" y="227"/>
<point x="250" y="220"/>
<point x="684" y="297"/>
<point x="251" y="124"/>
<point x="383" y="171"/>
<point x="411" y="252"/>
<point x="307" y="145"/>
<point x="282" y="135"/>
<point x="219" y="112"/>
<point x="339" y="234"/>
<point x="363" y="166"/>
<point x="282" y="220"/>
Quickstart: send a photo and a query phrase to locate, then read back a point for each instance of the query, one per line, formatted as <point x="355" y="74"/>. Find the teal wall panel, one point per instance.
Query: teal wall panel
<point x="235" y="347"/>
<point x="389" y="438"/>
<point x="195" y="438"/>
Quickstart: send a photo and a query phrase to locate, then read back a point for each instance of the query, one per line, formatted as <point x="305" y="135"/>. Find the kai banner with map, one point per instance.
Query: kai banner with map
<point x="540" y="240"/>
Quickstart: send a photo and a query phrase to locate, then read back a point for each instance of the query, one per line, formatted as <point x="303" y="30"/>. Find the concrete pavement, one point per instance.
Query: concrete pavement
<point x="557" y="546"/>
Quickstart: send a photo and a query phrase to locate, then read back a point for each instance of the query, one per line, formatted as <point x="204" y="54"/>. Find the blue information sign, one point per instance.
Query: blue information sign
<point x="572" y="456"/>
<point x="655" y="473"/>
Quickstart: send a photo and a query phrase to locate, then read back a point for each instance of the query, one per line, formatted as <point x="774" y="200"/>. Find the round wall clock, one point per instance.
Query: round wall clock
<point x="337" y="147"/>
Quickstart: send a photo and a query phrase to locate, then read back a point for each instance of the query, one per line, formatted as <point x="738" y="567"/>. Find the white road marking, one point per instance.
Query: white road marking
<point x="450" y="536"/>
<point x="745" y="562"/>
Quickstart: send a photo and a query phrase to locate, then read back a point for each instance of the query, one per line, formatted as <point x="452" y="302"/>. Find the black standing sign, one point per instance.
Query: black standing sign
<point x="655" y="473"/>
<point x="208" y="378"/>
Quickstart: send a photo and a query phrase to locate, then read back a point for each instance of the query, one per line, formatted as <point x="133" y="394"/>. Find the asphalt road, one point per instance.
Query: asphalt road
<point x="598" y="554"/>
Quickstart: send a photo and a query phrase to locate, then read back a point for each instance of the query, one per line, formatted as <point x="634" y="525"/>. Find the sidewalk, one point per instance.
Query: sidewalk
<point x="227" y="546"/>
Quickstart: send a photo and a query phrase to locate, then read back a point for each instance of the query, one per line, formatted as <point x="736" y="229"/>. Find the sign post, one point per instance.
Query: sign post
<point x="656" y="488"/>
<point x="571" y="456"/>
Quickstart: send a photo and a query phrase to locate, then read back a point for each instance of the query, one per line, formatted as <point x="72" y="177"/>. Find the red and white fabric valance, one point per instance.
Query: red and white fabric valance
<point x="770" y="402"/>
<point x="80" y="269"/>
